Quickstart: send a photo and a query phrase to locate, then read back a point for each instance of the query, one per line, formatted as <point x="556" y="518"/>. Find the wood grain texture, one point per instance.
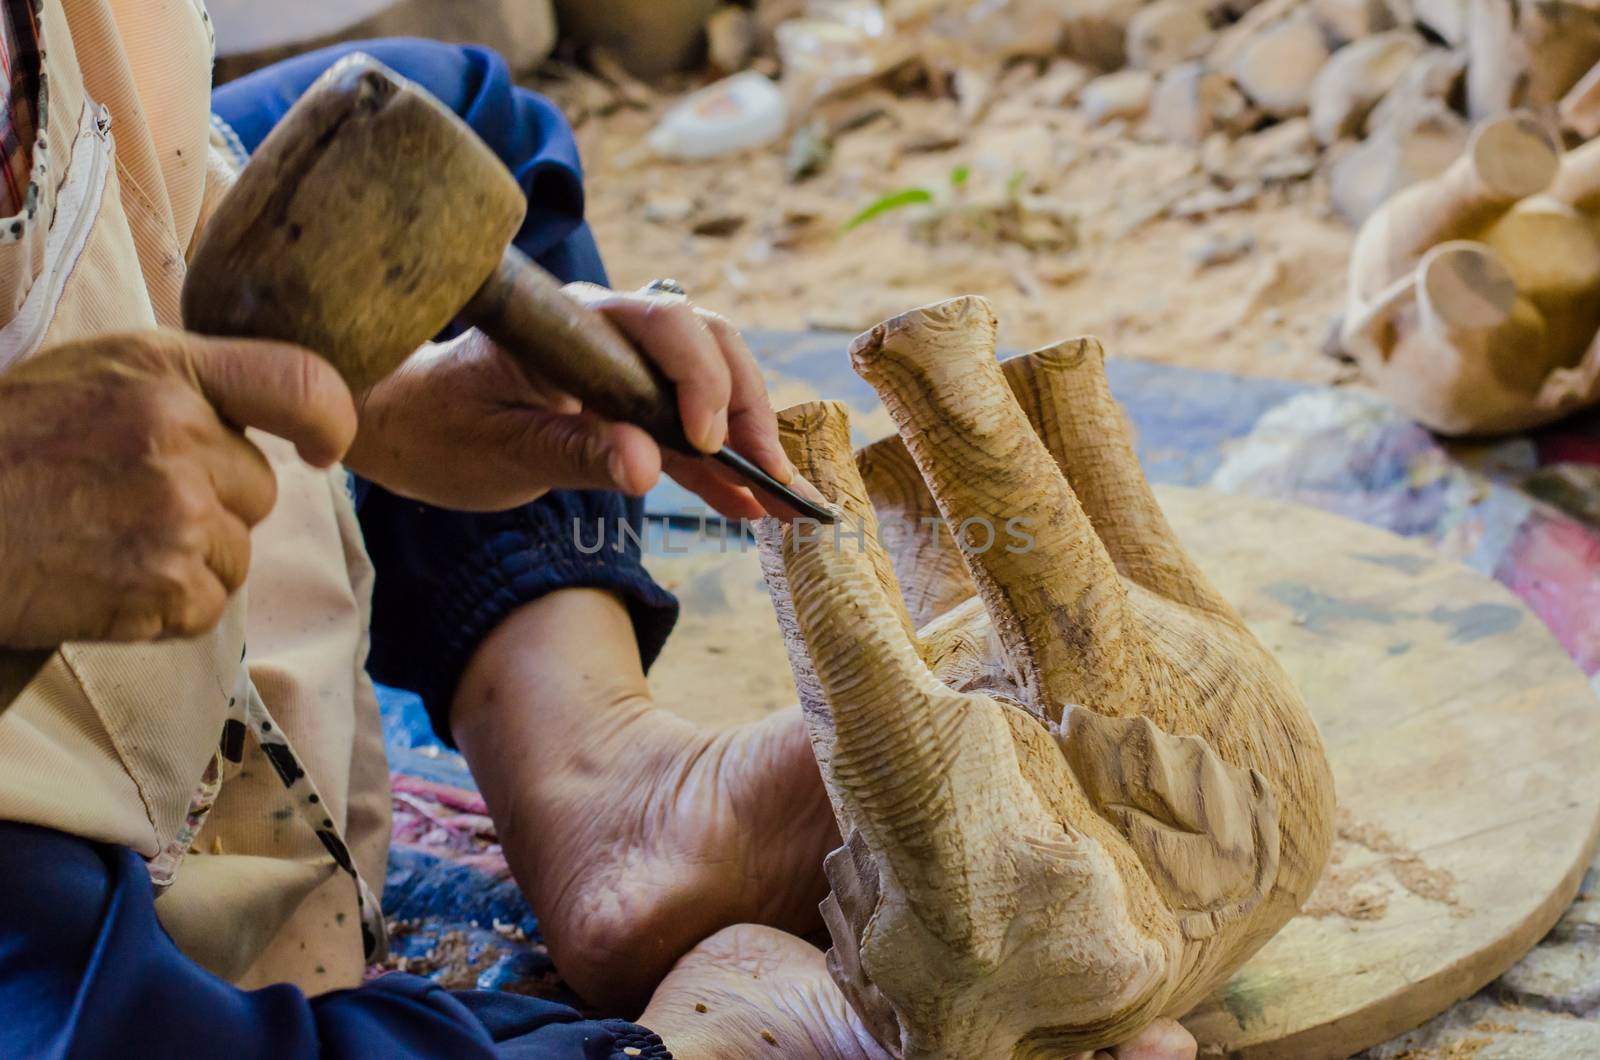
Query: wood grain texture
<point x="1462" y="741"/>
<point x="1090" y="793"/>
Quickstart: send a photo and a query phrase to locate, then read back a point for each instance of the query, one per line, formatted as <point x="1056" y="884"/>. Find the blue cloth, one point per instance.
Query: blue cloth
<point x="446" y="579"/>
<point x="86" y="970"/>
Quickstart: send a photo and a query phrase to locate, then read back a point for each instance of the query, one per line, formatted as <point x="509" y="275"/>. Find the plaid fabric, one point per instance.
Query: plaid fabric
<point x="20" y="74"/>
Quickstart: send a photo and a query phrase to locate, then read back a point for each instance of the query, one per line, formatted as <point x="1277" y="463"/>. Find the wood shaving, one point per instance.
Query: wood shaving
<point x="1361" y="893"/>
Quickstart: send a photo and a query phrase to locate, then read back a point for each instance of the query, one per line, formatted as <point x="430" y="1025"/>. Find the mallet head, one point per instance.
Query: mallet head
<point x="362" y="225"/>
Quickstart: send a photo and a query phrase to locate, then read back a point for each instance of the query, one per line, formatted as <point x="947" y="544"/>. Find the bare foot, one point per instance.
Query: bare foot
<point x="660" y="833"/>
<point x="754" y="992"/>
<point x="1162" y="1040"/>
<point x="633" y="833"/>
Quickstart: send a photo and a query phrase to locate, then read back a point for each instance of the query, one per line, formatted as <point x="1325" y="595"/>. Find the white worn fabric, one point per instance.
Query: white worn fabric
<point x="120" y="743"/>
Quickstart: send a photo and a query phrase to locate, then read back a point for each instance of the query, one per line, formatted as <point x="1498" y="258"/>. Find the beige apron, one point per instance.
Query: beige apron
<point x="137" y="744"/>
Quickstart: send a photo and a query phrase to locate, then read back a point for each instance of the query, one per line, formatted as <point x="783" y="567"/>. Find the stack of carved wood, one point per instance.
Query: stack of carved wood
<point x="1474" y="297"/>
<point x="1387" y="88"/>
<point x="251" y="34"/>
<point x="1378" y="94"/>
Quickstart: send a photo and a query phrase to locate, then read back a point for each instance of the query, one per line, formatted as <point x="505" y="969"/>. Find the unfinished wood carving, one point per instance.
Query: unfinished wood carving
<point x="1077" y="791"/>
<point x="1474" y="298"/>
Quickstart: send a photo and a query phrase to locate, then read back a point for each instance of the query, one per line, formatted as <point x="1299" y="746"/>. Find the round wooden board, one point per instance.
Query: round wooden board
<point x="1464" y="744"/>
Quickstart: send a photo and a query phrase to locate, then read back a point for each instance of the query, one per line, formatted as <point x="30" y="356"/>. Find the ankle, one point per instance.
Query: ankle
<point x="633" y="728"/>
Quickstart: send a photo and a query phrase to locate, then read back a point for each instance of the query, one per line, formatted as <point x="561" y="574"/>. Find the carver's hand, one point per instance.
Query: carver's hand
<point x="747" y="990"/>
<point x="126" y="490"/>
<point x="460" y="426"/>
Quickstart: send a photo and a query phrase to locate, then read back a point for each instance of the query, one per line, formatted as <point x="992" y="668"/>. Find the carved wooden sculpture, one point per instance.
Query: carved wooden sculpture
<point x="1474" y="298"/>
<point x="1077" y="792"/>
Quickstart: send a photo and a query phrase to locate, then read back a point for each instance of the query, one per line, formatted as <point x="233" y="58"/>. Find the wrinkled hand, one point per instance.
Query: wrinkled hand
<point x="127" y="492"/>
<point x="755" y="991"/>
<point x="460" y="426"/>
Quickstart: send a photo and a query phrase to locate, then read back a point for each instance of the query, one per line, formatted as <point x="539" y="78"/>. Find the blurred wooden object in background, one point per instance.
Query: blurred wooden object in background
<point x="251" y="34"/>
<point x="649" y="37"/>
<point x="1474" y="296"/>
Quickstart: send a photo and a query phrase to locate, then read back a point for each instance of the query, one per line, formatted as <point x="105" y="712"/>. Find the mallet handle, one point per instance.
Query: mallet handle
<point x="557" y="341"/>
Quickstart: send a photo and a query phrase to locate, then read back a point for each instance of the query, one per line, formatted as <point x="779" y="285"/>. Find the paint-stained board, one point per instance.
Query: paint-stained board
<point x="1464" y="744"/>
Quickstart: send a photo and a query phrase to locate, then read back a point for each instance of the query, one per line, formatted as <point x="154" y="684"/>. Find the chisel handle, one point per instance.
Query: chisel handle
<point x="555" y="340"/>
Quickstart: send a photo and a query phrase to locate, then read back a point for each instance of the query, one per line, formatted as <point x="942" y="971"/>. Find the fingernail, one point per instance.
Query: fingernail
<point x="617" y="468"/>
<point x="716" y="435"/>
<point x="799" y="484"/>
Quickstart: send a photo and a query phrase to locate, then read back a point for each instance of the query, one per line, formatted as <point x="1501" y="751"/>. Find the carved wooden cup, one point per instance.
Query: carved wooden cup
<point x="1077" y="792"/>
<point x="1474" y="297"/>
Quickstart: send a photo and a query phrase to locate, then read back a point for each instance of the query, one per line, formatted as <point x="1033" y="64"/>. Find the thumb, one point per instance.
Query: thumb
<point x="583" y="451"/>
<point x="279" y="388"/>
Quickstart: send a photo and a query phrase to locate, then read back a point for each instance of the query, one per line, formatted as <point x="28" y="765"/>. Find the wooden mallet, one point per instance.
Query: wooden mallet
<point x="369" y="219"/>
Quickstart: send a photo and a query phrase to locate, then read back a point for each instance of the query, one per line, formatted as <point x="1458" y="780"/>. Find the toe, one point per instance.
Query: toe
<point x="816" y="438"/>
<point x="1043" y="573"/>
<point x="1162" y="1040"/>
<point x="1064" y="392"/>
<point x="932" y="576"/>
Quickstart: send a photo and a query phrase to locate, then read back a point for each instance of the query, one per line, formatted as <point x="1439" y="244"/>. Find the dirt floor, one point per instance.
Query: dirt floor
<point x="1067" y="228"/>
